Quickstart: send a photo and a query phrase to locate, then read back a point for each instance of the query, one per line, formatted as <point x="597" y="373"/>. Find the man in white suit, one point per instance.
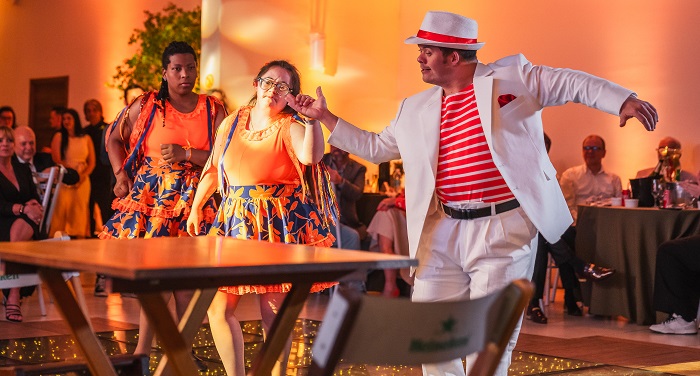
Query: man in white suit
<point x="479" y="184"/>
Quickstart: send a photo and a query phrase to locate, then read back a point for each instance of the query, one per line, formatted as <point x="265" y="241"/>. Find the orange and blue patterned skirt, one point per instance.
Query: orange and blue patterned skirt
<point x="159" y="203"/>
<point x="271" y="213"/>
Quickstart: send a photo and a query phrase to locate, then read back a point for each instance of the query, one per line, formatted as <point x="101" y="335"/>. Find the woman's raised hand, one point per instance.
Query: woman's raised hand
<point x="307" y="105"/>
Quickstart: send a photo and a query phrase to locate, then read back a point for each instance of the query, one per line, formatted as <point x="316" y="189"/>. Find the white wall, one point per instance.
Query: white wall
<point x="646" y="45"/>
<point x="82" y="39"/>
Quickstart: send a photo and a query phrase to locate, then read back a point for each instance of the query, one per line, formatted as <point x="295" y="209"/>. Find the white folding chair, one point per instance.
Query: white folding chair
<point x="24" y="280"/>
<point x="49" y="190"/>
<point x="550" y="287"/>
<point x="364" y="329"/>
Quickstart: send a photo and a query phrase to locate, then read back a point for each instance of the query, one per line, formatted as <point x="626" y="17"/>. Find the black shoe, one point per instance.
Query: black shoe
<point x="536" y="315"/>
<point x="571" y="305"/>
<point x="573" y="311"/>
<point x="100" y="285"/>
<point x="596" y="273"/>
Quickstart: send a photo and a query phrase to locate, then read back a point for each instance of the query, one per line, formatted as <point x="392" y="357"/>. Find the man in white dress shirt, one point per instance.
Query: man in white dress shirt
<point x="589" y="182"/>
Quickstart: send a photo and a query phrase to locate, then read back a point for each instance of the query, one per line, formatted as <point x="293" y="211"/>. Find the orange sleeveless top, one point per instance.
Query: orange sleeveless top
<point x="259" y="157"/>
<point x="180" y="128"/>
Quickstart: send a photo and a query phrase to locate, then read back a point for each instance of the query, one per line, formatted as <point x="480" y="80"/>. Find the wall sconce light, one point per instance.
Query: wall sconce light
<point x="317" y="38"/>
<point x="318" y="52"/>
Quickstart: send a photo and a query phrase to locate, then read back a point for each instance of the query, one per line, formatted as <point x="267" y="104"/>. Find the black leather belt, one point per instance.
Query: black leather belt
<point x="481" y="212"/>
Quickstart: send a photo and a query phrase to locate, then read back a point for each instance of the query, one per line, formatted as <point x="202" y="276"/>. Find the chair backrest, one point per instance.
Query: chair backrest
<point x="364" y="329"/>
<point x="22" y="280"/>
<point x="49" y="190"/>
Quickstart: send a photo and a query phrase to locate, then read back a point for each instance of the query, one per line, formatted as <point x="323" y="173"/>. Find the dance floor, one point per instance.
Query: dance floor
<point x="533" y="357"/>
<point x="600" y="347"/>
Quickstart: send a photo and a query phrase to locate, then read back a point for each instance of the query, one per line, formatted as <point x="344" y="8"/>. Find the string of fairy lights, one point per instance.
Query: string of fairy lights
<point x="62" y="348"/>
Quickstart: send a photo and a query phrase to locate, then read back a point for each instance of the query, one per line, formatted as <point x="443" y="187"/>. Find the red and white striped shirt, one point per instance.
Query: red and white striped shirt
<point x="466" y="172"/>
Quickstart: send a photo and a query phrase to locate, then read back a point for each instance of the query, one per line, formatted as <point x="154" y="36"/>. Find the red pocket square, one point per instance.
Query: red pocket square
<point x="505" y="99"/>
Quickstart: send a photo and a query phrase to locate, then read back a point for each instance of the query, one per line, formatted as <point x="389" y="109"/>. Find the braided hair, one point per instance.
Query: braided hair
<point x="173" y="48"/>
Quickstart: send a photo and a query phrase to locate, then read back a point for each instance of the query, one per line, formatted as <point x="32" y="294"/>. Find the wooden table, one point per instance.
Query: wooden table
<point x="150" y="266"/>
<point x="627" y="240"/>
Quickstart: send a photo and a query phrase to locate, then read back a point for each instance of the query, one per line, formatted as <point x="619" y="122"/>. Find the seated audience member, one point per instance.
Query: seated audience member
<point x="668" y="148"/>
<point x="589" y="182"/>
<point x="677" y="281"/>
<point x="25" y="152"/>
<point x="568" y="263"/>
<point x="389" y="234"/>
<point x="348" y="177"/>
<point x="20" y="212"/>
<point x="583" y="184"/>
<point x="677" y="285"/>
<point x="8" y="117"/>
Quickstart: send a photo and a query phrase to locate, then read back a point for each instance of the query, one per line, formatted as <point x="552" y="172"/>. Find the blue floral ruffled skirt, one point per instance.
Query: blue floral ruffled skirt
<point x="159" y="203"/>
<point x="272" y="213"/>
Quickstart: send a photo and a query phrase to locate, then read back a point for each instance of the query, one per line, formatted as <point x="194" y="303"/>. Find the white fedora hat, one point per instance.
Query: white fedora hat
<point x="445" y="29"/>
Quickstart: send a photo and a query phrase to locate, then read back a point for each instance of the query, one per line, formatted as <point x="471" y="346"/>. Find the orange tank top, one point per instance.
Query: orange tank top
<point x="180" y="128"/>
<point x="259" y="157"/>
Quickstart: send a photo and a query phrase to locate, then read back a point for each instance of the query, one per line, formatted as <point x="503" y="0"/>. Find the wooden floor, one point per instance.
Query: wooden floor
<point x="566" y="345"/>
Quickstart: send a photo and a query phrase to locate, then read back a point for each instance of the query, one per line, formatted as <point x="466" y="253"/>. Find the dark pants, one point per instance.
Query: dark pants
<point x="563" y="254"/>
<point x="677" y="279"/>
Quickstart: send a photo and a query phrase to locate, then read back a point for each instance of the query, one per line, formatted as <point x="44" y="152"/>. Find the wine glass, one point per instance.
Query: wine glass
<point x="657" y="190"/>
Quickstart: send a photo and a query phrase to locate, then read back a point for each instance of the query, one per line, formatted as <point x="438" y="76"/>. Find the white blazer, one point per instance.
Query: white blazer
<point x="514" y="134"/>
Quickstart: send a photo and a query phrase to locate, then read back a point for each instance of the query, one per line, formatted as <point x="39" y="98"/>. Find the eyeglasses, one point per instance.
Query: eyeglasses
<point x="593" y="148"/>
<point x="280" y="88"/>
<point x="667" y="149"/>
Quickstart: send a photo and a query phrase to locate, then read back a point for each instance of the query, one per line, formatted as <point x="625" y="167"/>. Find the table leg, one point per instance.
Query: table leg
<point x="190" y="323"/>
<point x="168" y="334"/>
<point x="281" y="329"/>
<point x="78" y="322"/>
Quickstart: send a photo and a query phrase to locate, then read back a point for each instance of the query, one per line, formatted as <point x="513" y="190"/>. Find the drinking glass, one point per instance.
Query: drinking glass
<point x="657" y="190"/>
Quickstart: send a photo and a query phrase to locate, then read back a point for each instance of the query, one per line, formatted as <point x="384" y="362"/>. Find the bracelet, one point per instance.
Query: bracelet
<point x="306" y="118"/>
<point x="188" y="154"/>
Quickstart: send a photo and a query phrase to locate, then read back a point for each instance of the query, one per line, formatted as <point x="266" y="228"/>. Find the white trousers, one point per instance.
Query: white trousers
<point x="467" y="259"/>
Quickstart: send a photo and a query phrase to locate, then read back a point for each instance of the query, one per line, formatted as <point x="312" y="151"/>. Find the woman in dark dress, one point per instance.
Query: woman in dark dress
<point x="20" y="211"/>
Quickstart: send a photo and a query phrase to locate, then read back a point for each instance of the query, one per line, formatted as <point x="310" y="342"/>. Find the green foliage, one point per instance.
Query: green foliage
<point x="161" y="28"/>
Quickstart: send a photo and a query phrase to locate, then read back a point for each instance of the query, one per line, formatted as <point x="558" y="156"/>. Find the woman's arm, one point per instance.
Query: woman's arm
<point x="56" y="148"/>
<point x="91" y="161"/>
<point x="116" y="150"/>
<point x="307" y="141"/>
<point x="210" y="175"/>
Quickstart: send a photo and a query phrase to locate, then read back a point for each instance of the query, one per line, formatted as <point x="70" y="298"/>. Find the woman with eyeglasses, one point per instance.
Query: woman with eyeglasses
<point x="157" y="146"/>
<point x="261" y="159"/>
